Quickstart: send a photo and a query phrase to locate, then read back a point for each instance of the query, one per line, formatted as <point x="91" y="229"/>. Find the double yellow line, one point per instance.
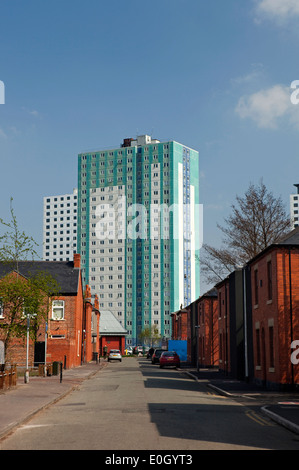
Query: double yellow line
<point x="258" y="419"/>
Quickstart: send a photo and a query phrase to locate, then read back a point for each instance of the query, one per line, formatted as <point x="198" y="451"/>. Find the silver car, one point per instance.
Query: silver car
<point x="114" y="355"/>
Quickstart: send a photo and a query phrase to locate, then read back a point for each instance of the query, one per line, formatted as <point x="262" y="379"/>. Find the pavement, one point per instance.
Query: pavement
<point x="22" y="402"/>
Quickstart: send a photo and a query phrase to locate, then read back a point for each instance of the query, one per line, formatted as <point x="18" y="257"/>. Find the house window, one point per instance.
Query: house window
<point x="58" y="310"/>
<point x="256" y="291"/>
<point x="258" y="349"/>
<point x="269" y="276"/>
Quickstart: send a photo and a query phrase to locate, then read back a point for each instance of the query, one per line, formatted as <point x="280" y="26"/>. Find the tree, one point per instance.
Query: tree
<point x="258" y="219"/>
<point x="21" y="298"/>
<point x="16" y="245"/>
<point x="150" y="335"/>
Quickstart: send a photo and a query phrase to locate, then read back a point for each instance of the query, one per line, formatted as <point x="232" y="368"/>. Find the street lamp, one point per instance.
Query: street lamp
<point x="26" y="375"/>
<point x="46" y="336"/>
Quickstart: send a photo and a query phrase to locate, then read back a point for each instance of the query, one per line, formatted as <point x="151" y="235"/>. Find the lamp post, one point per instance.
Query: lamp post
<point x="26" y="375"/>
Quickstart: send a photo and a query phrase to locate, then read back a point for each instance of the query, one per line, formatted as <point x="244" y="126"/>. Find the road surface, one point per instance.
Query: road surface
<point x="134" y="405"/>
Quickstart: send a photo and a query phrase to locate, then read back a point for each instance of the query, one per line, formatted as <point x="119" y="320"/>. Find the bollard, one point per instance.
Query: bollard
<point x="60" y="372"/>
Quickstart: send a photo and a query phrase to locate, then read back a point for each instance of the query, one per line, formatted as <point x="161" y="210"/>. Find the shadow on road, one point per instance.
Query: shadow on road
<point x="162" y="378"/>
<point x="214" y="425"/>
<point x="204" y="418"/>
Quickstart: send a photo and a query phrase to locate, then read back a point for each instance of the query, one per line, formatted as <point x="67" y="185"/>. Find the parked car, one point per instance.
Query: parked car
<point x="156" y="355"/>
<point x="129" y="350"/>
<point x="137" y="349"/>
<point x="115" y="355"/>
<point x="169" y="358"/>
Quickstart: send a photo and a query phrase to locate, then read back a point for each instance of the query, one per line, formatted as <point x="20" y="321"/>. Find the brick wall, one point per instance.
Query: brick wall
<point x="64" y="338"/>
<point x="208" y="337"/>
<point x="271" y="316"/>
<point x="174" y="326"/>
<point x="69" y="340"/>
<point x="180" y="325"/>
<point x="16" y="353"/>
<point x="112" y="342"/>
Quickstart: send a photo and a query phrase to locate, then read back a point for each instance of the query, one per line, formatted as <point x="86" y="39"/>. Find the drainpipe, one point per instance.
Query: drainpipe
<point x="26" y="376"/>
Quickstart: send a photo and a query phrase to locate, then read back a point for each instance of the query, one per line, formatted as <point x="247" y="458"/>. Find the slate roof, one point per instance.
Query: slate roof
<point x="210" y="293"/>
<point x="63" y="272"/>
<point x="109" y="325"/>
<point x="182" y="310"/>
<point x="291" y="239"/>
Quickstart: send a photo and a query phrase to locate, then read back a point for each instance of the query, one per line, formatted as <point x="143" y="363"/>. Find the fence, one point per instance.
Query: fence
<point x="8" y="378"/>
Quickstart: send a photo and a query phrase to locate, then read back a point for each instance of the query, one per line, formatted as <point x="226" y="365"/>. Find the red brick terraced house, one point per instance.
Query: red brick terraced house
<point x="275" y="313"/>
<point x="258" y="320"/>
<point x="223" y="326"/>
<point x="207" y="329"/>
<point x="67" y="335"/>
<point x="179" y="324"/>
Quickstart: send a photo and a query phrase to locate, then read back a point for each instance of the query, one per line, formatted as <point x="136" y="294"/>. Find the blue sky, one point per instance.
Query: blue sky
<point x="214" y="75"/>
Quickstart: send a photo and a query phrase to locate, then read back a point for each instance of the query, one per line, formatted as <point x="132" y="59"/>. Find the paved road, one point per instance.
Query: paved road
<point x="134" y="405"/>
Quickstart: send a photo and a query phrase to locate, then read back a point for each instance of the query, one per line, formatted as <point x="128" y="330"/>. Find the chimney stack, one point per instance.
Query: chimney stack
<point x="77" y="260"/>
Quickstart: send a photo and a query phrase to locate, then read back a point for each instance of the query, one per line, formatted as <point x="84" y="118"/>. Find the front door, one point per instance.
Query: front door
<point x="39" y="353"/>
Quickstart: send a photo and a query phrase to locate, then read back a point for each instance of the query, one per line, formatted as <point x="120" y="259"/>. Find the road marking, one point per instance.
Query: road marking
<point x="215" y="395"/>
<point x="258" y="419"/>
